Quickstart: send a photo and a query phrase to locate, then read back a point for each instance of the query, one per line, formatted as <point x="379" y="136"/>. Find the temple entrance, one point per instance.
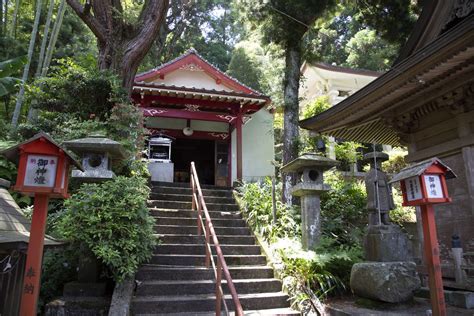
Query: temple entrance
<point x="202" y="152"/>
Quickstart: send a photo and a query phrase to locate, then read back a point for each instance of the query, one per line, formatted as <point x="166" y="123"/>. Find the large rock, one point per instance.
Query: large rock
<point x="392" y="282"/>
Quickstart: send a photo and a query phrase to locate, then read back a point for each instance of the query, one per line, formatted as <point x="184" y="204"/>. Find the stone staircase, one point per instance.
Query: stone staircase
<point x="175" y="281"/>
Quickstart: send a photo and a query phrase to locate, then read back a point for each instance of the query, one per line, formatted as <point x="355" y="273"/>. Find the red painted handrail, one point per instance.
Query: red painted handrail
<point x="199" y="204"/>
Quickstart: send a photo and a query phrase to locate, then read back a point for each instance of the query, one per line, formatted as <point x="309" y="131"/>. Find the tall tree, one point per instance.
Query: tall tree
<point x="122" y="44"/>
<point x="285" y="23"/>
<point x="31" y="47"/>
<point x="44" y="41"/>
<point x="15" y="16"/>
<point x="54" y="37"/>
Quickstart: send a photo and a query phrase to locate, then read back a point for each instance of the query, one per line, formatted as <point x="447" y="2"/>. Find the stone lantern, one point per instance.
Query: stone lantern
<point x="97" y="154"/>
<point x="310" y="168"/>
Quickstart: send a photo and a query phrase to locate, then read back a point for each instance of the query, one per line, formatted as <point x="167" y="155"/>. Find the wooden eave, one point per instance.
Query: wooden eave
<point x="441" y="66"/>
<point x="142" y="89"/>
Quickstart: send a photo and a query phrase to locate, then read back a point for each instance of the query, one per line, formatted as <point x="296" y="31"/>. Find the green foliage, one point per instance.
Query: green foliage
<point x="255" y="200"/>
<point x="68" y="90"/>
<point x="112" y="220"/>
<point x="59" y="267"/>
<point x="348" y="153"/>
<point x="7" y="169"/>
<point x="393" y="19"/>
<point x="395" y="163"/>
<point x="125" y="125"/>
<point x="8" y="68"/>
<point x="319" y="105"/>
<point x="366" y="51"/>
<point x="244" y="69"/>
<point x="326" y="271"/>
<point x="343" y="210"/>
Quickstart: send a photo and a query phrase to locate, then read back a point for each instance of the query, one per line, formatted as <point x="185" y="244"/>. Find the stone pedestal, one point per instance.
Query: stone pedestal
<point x="391" y="282"/>
<point x="386" y="243"/>
<point x="310" y="168"/>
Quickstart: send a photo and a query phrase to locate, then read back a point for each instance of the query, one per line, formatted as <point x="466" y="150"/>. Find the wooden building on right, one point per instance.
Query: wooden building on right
<point x="426" y="103"/>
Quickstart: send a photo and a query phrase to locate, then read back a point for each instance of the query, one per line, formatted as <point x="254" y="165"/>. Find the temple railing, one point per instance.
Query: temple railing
<point x="220" y="266"/>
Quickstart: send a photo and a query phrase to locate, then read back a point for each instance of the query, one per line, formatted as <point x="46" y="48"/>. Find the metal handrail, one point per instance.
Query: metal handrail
<point x="199" y="204"/>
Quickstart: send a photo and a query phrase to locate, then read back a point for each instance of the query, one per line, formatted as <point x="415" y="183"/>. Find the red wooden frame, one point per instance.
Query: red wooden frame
<point x="434" y="170"/>
<point x="42" y="146"/>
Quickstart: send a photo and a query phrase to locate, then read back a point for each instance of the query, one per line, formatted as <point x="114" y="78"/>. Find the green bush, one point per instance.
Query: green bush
<point x="343" y="210"/>
<point x="68" y="90"/>
<point x="255" y="200"/>
<point x="112" y="219"/>
<point x="319" y="105"/>
<point x="326" y="271"/>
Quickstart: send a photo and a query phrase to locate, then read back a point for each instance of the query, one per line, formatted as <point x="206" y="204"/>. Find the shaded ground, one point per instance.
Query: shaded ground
<point x="360" y="307"/>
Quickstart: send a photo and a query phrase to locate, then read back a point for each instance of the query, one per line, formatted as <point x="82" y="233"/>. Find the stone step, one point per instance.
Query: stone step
<point x="186" y="185"/>
<point x="198" y="249"/>
<point x="165" y="212"/>
<point x="217" y="222"/>
<point x="261" y="312"/>
<point x="187" y="205"/>
<point x="188" y="191"/>
<point x="195" y="239"/>
<point x="192" y="287"/>
<point x="160" y="272"/>
<point x="198" y="260"/>
<point x="204" y="303"/>
<point x="192" y="230"/>
<point x="188" y="198"/>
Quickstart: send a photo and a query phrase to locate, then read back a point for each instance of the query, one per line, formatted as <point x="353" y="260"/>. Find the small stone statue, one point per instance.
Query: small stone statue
<point x="379" y="191"/>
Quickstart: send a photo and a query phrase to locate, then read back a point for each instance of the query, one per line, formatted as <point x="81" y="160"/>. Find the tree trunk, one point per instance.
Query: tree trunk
<point x="290" y="114"/>
<point x="5" y="18"/>
<point x="15" y="16"/>
<point x="44" y="41"/>
<point x="1" y="18"/>
<point x="54" y="37"/>
<point x="26" y="70"/>
<point x="32" y="112"/>
<point x="122" y="46"/>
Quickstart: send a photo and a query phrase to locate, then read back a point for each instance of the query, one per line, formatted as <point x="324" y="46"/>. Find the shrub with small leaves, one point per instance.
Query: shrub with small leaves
<point x="112" y="219"/>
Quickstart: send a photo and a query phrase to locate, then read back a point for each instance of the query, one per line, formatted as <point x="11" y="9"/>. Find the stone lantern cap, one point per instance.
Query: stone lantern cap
<point x="311" y="167"/>
<point x="96" y="152"/>
<point x="98" y="144"/>
<point x="309" y="160"/>
<point x="378" y="155"/>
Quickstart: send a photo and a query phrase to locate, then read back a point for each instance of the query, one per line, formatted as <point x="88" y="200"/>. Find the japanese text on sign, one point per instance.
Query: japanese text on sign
<point x="413" y="189"/>
<point x="433" y="186"/>
<point x="41" y="171"/>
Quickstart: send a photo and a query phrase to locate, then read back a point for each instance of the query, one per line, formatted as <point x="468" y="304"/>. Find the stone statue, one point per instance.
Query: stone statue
<point x="379" y="191"/>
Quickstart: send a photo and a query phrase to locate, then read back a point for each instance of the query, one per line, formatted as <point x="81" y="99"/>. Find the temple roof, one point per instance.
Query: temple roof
<point x="14" y="226"/>
<point x="433" y="66"/>
<point x="200" y="75"/>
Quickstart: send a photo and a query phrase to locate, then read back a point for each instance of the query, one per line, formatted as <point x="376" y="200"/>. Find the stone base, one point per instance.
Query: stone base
<point x="462" y="299"/>
<point x="387" y="243"/>
<point x="391" y="282"/>
<point x="82" y="306"/>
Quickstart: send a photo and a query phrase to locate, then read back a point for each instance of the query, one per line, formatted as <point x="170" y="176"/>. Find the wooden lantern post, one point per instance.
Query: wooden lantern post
<point x="43" y="172"/>
<point x="423" y="185"/>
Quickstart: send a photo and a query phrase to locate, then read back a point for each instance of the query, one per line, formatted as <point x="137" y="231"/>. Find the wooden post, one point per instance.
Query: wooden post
<point x="238" y="127"/>
<point x="32" y="277"/>
<point x="431" y="250"/>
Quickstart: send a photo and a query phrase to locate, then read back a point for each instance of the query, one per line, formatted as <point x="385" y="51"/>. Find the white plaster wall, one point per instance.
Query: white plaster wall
<point x="191" y="79"/>
<point x="258" y="150"/>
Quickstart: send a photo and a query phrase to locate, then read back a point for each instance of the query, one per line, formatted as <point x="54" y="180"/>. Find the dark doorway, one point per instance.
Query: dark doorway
<point x="202" y="152"/>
